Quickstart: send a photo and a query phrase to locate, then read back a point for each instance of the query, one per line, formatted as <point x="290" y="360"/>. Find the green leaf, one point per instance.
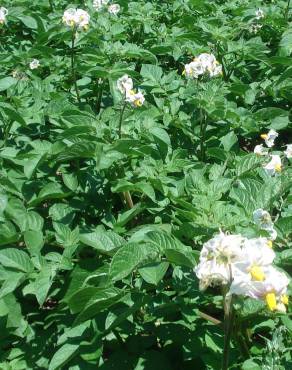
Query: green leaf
<point x="153" y="273"/>
<point x="152" y="73"/>
<point x="103" y="241"/>
<point x="16" y="259"/>
<point x="250" y="365"/>
<point x="228" y="141"/>
<point x="162" y="140"/>
<point x="34" y="241"/>
<point x="181" y="258"/>
<point x="7" y="82"/>
<point x="70" y="180"/>
<point x="89" y="301"/>
<point x="63" y="355"/>
<point x="29" y="21"/>
<point x="248" y="163"/>
<point x="129" y="257"/>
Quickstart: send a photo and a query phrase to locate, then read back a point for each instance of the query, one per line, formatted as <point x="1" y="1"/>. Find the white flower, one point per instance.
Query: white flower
<point x="136" y="99"/>
<point x="99" y="4"/>
<point x="3" y="14"/>
<point x="124" y="84"/>
<point x="256" y="256"/>
<point x="216" y="71"/>
<point x="260" y="150"/>
<point x="216" y="259"/>
<point x="194" y="69"/>
<point x="208" y="61"/>
<point x="288" y="151"/>
<point x="254" y="28"/>
<point x="266" y="283"/>
<point x="262" y="219"/>
<point x="274" y="166"/>
<point x="34" y="64"/>
<point x="259" y="14"/>
<point x="270" y="138"/>
<point x="114" y="9"/>
<point x="272" y="233"/>
<point x="76" y="18"/>
<point x="83" y="18"/>
<point x="203" y="64"/>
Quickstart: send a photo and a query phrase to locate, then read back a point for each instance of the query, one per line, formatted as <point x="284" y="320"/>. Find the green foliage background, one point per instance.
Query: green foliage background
<point x="86" y="280"/>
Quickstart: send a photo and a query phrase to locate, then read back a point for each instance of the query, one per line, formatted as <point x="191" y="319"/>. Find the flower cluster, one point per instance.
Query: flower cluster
<point x="76" y="18"/>
<point x="255" y="27"/>
<point x="34" y="64"/>
<point x="275" y="165"/>
<point x="125" y="86"/>
<point x="245" y="266"/>
<point x="101" y="4"/>
<point x="3" y="14"/>
<point x="204" y="64"/>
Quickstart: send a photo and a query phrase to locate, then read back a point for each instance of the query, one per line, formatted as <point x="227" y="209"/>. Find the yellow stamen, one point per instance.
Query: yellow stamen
<point x="257" y="273"/>
<point x="71" y="23"/>
<point x="264" y="136"/>
<point x="278" y="168"/>
<point x="271" y="301"/>
<point x="270" y="243"/>
<point x="184" y="72"/>
<point x="138" y="103"/>
<point x="285" y="299"/>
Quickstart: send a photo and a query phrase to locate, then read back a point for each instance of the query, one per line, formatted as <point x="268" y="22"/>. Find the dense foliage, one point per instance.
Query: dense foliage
<point x="105" y="205"/>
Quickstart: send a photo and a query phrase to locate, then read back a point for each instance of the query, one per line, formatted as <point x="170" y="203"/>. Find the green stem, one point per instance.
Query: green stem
<point x="207" y="317"/>
<point x="73" y="69"/>
<point x="126" y="194"/>
<point x="51" y="5"/>
<point x="228" y="325"/>
<point x="203" y="127"/>
<point x="287" y="10"/>
<point x="6" y="133"/>
<point x="99" y="97"/>
<point x="121" y="119"/>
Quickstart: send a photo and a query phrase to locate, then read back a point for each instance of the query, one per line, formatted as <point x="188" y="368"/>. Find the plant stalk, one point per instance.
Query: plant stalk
<point x="126" y="194"/>
<point x="73" y="67"/>
<point x="228" y="325"/>
<point x="203" y="127"/>
<point x="287" y="10"/>
<point x="121" y="119"/>
<point x="228" y="321"/>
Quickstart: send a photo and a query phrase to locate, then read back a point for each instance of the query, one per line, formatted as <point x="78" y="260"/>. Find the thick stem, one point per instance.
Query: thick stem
<point x="128" y="199"/>
<point x="228" y="320"/>
<point x="73" y="69"/>
<point x="228" y="325"/>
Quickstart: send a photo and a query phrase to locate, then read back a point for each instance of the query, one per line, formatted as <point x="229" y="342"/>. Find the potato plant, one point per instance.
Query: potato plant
<point x="145" y="184"/>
